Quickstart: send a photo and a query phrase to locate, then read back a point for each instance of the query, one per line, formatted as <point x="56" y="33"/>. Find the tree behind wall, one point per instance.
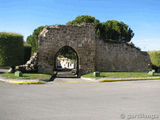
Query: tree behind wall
<point x="111" y="30"/>
<point x="11" y="49"/>
<point x="33" y="39"/>
<point x="116" y="31"/>
<point x="86" y="19"/>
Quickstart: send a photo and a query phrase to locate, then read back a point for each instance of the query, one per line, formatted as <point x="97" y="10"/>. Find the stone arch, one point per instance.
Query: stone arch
<point x="79" y="37"/>
<point x="77" y="59"/>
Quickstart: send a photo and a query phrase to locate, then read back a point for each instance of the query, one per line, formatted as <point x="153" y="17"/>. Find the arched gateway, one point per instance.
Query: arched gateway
<point x="61" y="63"/>
<point x="81" y="38"/>
<point x="93" y="54"/>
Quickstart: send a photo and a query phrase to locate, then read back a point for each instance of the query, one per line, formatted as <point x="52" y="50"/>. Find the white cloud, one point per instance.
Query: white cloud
<point x="148" y="44"/>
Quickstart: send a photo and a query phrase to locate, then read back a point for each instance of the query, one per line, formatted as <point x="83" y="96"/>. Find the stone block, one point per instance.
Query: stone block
<point x="96" y="74"/>
<point x="18" y="74"/>
<point x="151" y="73"/>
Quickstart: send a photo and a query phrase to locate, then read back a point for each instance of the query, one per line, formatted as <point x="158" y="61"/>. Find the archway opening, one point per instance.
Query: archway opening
<point x="66" y="63"/>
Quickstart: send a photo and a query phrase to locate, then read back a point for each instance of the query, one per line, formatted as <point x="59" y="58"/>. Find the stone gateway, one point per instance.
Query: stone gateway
<point x="93" y="53"/>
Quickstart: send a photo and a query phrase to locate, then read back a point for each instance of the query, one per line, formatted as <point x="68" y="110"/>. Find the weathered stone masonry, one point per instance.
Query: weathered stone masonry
<point x="121" y="57"/>
<point x="93" y="53"/>
<point x="80" y="37"/>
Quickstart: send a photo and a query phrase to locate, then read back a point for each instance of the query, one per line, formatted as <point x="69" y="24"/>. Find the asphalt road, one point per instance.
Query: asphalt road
<point x="81" y="101"/>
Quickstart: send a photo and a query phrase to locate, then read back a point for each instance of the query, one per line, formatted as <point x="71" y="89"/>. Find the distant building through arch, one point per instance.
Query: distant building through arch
<point x="64" y="62"/>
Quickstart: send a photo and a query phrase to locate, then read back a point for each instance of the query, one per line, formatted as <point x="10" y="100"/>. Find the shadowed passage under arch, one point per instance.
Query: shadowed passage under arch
<point x="66" y="62"/>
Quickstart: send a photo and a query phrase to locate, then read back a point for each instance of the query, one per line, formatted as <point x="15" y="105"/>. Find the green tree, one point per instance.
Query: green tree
<point x="67" y="52"/>
<point x="109" y="30"/>
<point x="11" y="49"/>
<point x="86" y="19"/>
<point x="155" y="58"/>
<point x="116" y="31"/>
<point x="33" y="39"/>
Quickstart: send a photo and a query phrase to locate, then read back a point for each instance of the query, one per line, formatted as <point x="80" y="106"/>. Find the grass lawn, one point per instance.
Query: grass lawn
<point x="120" y="75"/>
<point x="27" y="76"/>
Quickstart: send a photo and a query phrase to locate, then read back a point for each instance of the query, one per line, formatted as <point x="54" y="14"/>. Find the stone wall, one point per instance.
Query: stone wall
<point x="79" y="37"/>
<point x="93" y="53"/>
<point x="120" y="57"/>
<point x="31" y="66"/>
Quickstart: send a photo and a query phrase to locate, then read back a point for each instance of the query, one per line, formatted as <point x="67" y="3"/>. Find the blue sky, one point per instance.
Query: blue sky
<point x="143" y="16"/>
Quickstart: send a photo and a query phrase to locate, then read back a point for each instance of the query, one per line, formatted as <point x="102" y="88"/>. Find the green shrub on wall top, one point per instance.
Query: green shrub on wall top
<point x="11" y="49"/>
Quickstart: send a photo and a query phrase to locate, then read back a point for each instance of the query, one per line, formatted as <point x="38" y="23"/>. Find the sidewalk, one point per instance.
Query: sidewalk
<point x="35" y="81"/>
<point x="70" y="80"/>
<point x="20" y="81"/>
<point x="74" y="80"/>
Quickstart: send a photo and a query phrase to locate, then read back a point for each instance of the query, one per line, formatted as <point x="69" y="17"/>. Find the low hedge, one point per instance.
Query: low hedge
<point x="11" y="49"/>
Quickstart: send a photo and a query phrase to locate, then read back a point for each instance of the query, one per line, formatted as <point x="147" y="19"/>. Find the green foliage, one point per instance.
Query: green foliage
<point x="27" y="52"/>
<point x="67" y="52"/>
<point x="84" y="19"/>
<point x="117" y="31"/>
<point x="11" y="49"/>
<point x="26" y="76"/>
<point x="33" y="39"/>
<point x="155" y="58"/>
<point x="74" y="71"/>
<point x="110" y="30"/>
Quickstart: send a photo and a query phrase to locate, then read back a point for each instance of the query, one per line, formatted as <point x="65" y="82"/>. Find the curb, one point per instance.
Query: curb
<point x="70" y="82"/>
<point x="38" y="81"/>
<point x="27" y="82"/>
<point x="120" y="79"/>
<point x="127" y="79"/>
<point x="21" y="81"/>
<point x="89" y="80"/>
<point x="41" y="82"/>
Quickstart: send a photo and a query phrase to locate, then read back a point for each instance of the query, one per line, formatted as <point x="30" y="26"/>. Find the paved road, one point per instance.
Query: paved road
<point x="80" y="101"/>
<point x="65" y="74"/>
